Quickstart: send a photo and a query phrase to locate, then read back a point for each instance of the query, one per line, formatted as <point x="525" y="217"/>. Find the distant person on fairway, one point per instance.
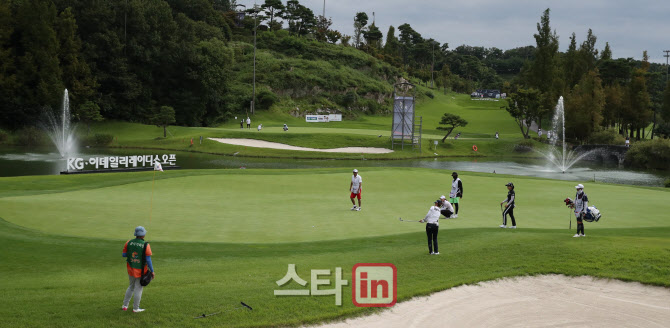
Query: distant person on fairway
<point x="356" y="187"/>
<point x="433" y="227"/>
<point x="581" y="204"/>
<point x="285" y="127"/>
<point x="456" y="192"/>
<point x="445" y="207"/>
<point x="509" y="207"/>
<point x="132" y="251"/>
<point x="260" y="126"/>
<point x="248" y="122"/>
<point x="497" y="135"/>
<point x="242" y="124"/>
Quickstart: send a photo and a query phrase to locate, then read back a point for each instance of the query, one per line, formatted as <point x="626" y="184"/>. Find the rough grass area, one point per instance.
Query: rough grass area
<point x="208" y="257"/>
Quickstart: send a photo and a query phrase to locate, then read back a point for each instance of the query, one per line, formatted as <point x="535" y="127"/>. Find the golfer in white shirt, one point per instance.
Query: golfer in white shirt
<point x="445" y="207"/>
<point x="433" y="227"/>
<point x="355" y="188"/>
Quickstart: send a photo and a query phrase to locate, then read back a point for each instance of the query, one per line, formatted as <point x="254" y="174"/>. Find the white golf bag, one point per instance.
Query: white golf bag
<point x="592" y="214"/>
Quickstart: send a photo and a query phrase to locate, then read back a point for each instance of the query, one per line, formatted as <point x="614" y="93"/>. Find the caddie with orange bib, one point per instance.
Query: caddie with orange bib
<point x="132" y="251"/>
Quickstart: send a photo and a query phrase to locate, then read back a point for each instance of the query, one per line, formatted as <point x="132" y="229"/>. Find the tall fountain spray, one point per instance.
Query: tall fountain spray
<point x="559" y="156"/>
<point x="61" y="130"/>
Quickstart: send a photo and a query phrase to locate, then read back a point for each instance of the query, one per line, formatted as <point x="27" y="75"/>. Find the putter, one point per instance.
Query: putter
<point x="408" y="220"/>
<point x="244" y="305"/>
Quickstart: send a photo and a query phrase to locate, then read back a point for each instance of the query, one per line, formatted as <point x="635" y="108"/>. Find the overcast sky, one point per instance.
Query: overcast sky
<point x="630" y="27"/>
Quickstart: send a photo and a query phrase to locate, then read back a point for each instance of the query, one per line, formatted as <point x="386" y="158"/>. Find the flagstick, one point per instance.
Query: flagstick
<point x="153" y="181"/>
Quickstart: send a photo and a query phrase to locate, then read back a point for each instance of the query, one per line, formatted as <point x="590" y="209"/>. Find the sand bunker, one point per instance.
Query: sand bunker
<point x="542" y="301"/>
<point x="275" y="145"/>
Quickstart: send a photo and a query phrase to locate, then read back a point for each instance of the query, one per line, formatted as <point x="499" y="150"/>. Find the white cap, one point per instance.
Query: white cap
<point x="443" y="197"/>
<point x="579" y="186"/>
<point x="355" y="171"/>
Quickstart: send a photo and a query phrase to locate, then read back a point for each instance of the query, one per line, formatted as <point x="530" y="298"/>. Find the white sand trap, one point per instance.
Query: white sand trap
<point x="542" y="301"/>
<point x="276" y="145"/>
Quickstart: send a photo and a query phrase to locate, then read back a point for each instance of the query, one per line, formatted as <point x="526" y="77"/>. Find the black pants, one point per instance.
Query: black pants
<point x="580" y="225"/>
<point x="431" y="233"/>
<point x="509" y="210"/>
<point x="446" y="213"/>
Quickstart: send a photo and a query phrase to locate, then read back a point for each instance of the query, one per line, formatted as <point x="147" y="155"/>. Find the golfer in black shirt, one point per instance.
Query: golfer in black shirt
<point x="509" y="207"/>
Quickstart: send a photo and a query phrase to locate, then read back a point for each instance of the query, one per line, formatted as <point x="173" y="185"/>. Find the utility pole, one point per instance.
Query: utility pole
<point x="324" y="9"/>
<point x="432" y="66"/>
<point x="253" y="97"/>
<point x="667" y="55"/>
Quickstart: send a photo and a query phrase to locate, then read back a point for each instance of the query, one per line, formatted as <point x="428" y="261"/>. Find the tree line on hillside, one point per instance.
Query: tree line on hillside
<point x="125" y="60"/>
<point x="128" y="60"/>
<point x="603" y="96"/>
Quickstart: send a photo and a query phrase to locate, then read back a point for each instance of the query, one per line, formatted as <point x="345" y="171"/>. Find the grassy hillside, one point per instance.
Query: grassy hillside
<point x="296" y="72"/>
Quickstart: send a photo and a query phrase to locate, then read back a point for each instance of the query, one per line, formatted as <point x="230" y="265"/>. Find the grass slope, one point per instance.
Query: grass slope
<point x="60" y="281"/>
<point x="485" y="118"/>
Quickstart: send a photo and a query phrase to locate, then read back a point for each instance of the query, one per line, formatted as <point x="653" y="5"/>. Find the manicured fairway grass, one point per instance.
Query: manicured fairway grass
<point x="276" y="206"/>
<point x="224" y="236"/>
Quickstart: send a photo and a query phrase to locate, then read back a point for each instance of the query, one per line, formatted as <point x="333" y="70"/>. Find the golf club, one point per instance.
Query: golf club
<point x="244" y="305"/>
<point x="408" y="220"/>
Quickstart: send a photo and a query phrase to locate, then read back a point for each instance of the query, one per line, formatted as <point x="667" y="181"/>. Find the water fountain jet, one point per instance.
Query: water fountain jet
<point x="61" y="130"/>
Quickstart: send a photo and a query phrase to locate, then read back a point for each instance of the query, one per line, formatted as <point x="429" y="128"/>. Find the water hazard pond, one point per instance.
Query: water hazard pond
<point x="18" y="162"/>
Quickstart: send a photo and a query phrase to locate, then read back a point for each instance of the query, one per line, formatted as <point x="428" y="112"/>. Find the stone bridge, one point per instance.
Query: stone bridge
<point x="603" y="153"/>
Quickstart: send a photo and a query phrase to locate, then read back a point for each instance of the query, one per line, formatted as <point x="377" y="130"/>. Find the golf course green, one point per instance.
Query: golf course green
<point x="224" y="236"/>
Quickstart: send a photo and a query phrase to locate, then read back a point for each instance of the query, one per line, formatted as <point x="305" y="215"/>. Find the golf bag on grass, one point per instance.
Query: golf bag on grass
<point x="592" y="214"/>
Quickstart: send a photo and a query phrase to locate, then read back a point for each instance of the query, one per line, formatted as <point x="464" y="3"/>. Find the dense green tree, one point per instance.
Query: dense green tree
<point x="571" y="68"/>
<point x="214" y="60"/>
<point x="8" y="83"/>
<point x="373" y="37"/>
<point x="451" y="121"/>
<point x="77" y="76"/>
<point x="544" y="73"/>
<point x="639" y="114"/>
<point x="665" y="112"/>
<point x="345" y="40"/>
<point x="614" y="102"/>
<point x="588" y="54"/>
<point x="333" y="36"/>
<point x="322" y="27"/>
<point x="273" y="8"/>
<point x="584" y="106"/>
<point x="38" y="74"/>
<point x="88" y="113"/>
<point x="391" y="46"/>
<point x="163" y="118"/>
<point x="606" y="54"/>
<point x="524" y="106"/>
<point x="301" y="19"/>
<point x="360" y="21"/>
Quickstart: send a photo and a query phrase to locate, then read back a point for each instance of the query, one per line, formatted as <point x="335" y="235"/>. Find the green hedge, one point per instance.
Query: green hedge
<point x="607" y="137"/>
<point x="650" y="154"/>
<point x="99" y="140"/>
<point x="30" y="136"/>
